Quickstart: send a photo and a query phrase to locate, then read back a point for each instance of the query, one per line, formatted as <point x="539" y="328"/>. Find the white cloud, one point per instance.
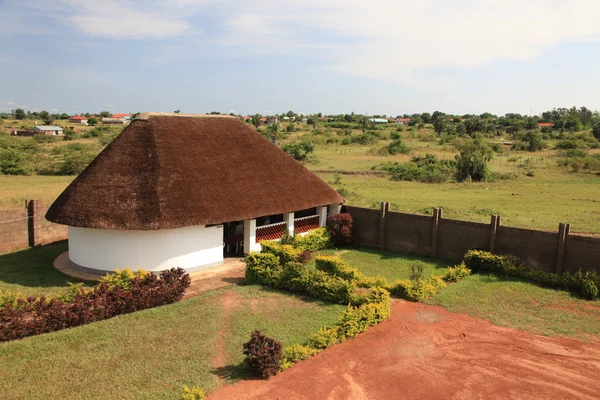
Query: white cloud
<point x="395" y="41"/>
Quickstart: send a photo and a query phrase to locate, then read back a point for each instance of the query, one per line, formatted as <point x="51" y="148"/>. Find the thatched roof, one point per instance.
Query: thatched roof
<point x="168" y="171"/>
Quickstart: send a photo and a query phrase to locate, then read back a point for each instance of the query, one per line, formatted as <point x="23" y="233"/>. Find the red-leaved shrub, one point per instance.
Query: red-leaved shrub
<point x="263" y="355"/>
<point x="340" y="228"/>
<point x="33" y="316"/>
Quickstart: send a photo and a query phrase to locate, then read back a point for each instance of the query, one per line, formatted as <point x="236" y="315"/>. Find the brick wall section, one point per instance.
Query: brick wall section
<point x="28" y="227"/>
<point x="451" y="239"/>
<point x="582" y="252"/>
<point x="408" y="233"/>
<point x="366" y="225"/>
<point x="537" y="249"/>
<point x="13" y="230"/>
<point x="455" y="238"/>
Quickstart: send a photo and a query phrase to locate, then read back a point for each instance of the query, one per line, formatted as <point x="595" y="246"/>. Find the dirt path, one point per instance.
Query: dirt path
<point x="426" y="352"/>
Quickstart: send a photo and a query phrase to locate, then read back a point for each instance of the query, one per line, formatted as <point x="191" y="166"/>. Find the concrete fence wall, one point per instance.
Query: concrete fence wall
<point x="450" y="239"/>
<point x="27" y="227"/>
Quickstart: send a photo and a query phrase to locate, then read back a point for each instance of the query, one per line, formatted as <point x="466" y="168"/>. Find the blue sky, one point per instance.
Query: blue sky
<point x="330" y="56"/>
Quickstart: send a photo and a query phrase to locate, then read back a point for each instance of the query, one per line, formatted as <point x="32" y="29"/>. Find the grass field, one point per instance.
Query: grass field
<point x="14" y="190"/>
<point x="151" y="354"/>
<point x="31" y="273"/>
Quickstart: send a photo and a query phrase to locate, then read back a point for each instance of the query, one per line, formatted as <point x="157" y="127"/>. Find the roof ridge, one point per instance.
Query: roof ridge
<point x="148" y="114"/>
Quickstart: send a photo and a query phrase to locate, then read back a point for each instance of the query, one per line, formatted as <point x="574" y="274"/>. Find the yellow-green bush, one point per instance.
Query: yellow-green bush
<point x="335" y="266"/>
<point x="285" y="252"/>
<point x="329" y="287"/>
<point x="296" y="353"/>
<point x="457" y="273"/>
<point x="325" y="337"/>
<point x="318" y="239"/>
<point x="417" y="290"/>
<point x="123" y="278"/>
<point x="7" y="297"/>
<point x="193" y="393"/>
<point x="357" y="319"/>
<point x="263" y="269"/>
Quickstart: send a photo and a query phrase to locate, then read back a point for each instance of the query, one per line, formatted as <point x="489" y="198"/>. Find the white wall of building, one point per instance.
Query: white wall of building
<point x="191" y="248"/>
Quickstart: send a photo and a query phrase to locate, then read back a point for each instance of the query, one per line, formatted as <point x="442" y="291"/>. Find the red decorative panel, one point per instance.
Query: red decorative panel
<point x="270" y="232"/>
<point x="306" y="224"/>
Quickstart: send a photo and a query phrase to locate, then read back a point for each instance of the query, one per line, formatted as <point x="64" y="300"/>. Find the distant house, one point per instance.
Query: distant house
<point x="545" y="124"/>
<point x="378" y="120"/>
<point x="125" y="117"/>
<point x="391" y="120"/>
<point x="113" y="121"/>
<point x="272" y="120"/>
<point x="48" y="130"/>
<point x="403" y="121"/>
<point x="79" y="119"/>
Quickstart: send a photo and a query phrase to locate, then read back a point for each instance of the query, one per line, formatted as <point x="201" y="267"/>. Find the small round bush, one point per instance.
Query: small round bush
<point x="589" y="290"/>
<point x="263" y="355"/>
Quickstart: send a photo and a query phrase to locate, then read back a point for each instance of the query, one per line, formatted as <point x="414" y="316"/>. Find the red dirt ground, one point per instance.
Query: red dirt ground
<point x="426" y="352"/>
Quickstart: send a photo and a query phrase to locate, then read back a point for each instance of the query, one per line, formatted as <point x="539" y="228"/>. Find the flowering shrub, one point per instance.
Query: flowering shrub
<point x="33" y="316"/>
<point x="340" y="228"/>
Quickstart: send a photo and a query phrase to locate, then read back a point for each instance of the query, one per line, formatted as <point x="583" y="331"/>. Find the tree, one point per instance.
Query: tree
<point x="533" y="141"/>
<point x="65" y="116"/>
<point x="45" y="116"/>
<point x="426" y="117"/>
<point x="92" y="121"/>
<point x="471" y="162"/>
<point x="256" y="120"/>
<point x="177" y="111"/>
<point x="19" y="113"/>
<point x="10" y="162"/>
<point x="596" y="131"/>
<point x="299" y="151"/>
<point x="439" y="123"/>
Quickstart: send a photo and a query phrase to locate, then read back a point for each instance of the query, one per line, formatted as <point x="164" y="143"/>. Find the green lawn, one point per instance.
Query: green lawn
<point x="151" y="354"/>
<point x="524" y="306"/>
<point x="31" y="272"/>
<point x="391" y="266"/>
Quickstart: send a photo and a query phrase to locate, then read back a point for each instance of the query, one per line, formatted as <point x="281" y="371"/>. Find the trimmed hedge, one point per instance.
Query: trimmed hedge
<point x="585" y="284"/>
<point x="315" y="240"/>
<point x="365" y="309"/>
<point x="33" y="316"/>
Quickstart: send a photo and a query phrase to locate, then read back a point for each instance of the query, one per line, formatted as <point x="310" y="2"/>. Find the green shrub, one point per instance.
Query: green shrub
<point x="296" y="353"/>
<point x="263" y="355"/>
<point x="124" y="278"/>
<point x="294" y="277"/>
<point x="195" y="393"/>
<point x="397" y="147"/>
<point x="357" y="319"/>
<point x="335" y="266"/>
<point x="479" y="260"/>
<point x="417" y="290"/>
<point x="318" y="239"/>
<point x="12" y="163"/>
<point x="9" y="298"/>
<point x="299" y="151"/>
<point x="456" y="273"/>
<point x="263" y="269"/>
<point x="589" y="290"/>
<point x="285" y="252"/>
<point x="330" y="288"/>
<point x="325" y="337"/>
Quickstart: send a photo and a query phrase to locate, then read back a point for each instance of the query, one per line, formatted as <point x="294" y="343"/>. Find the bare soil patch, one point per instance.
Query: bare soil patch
<point x="426" y="352"/>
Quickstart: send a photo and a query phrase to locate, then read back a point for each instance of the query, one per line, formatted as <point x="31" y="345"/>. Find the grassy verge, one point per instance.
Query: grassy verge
<point x="152" y="353"/>
<point x="391" y="266"/>
<point x="16" y="189"/>
<point x="522" y="305"/>
<point x="31" y="272"/>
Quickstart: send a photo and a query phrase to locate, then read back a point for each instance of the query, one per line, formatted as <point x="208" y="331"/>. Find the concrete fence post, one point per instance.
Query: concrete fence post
<point x="32" y="208"/>
<point x="494" y="224"/>
<point x="437" y="215"/>
<point x="385" y="207"/>
<point x="563" y="233"/>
